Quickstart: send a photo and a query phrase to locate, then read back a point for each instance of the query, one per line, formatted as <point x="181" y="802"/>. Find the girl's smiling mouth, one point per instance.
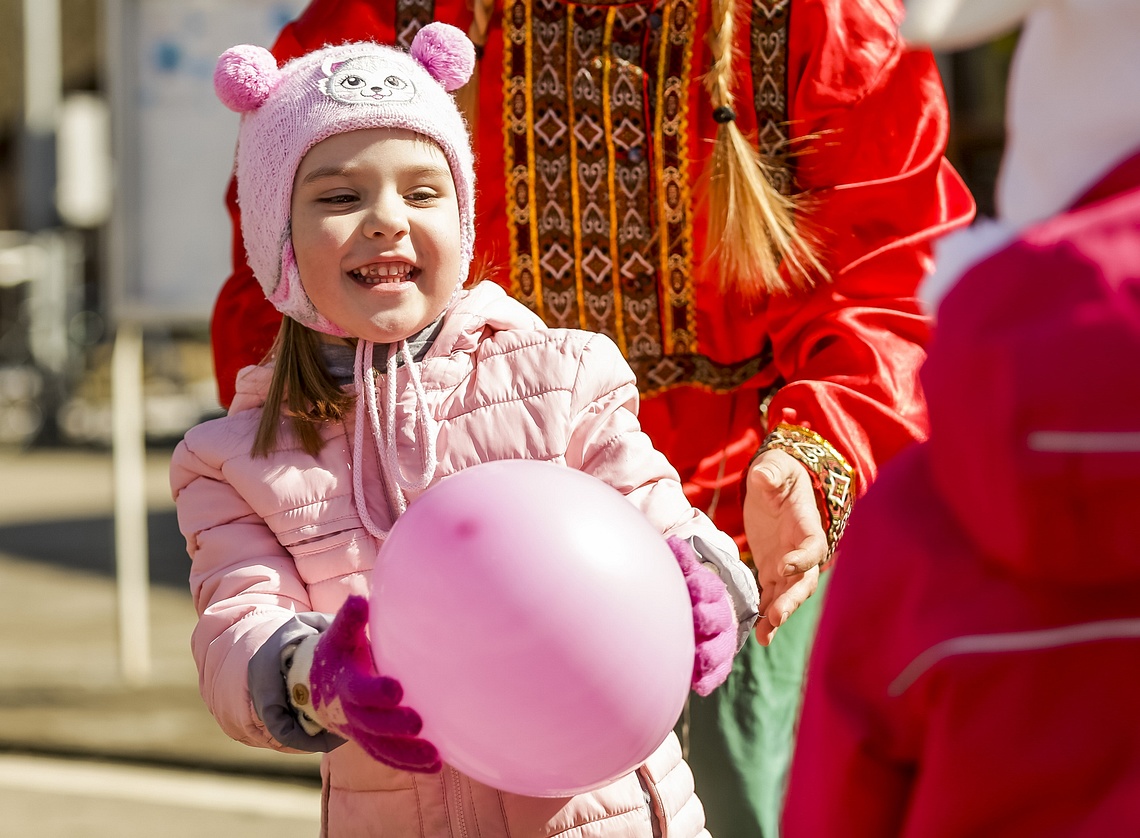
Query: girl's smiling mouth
<point x="379" y="273"/>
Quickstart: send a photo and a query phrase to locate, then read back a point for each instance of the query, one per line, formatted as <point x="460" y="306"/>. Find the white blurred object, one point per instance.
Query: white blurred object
<point x="51" y="263"/>
<point x="83" y="161"/>
<point x="1073" y="107"/>
<point x="957" y="24"/>
<point x="42" y="89"/>
<point x="21" y="259"/>
<point x="43" y="67"/>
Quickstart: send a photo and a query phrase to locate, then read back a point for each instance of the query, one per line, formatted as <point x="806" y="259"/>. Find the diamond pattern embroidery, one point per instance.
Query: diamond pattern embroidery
<point x="550" y="128"/>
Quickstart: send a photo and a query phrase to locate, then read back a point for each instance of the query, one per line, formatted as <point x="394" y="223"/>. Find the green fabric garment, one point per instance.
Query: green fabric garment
<point x="739" y="739"/>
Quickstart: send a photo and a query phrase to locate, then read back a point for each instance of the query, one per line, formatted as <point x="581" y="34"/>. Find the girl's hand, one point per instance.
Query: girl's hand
<point x="786" y="537"/>
<point x="350" y="698"/>
<point x="714" y="623"/>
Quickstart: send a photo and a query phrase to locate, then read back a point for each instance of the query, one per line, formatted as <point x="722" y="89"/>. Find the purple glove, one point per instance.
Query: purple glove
<point x="354" y="701"/>
<point x="714" y="623"/>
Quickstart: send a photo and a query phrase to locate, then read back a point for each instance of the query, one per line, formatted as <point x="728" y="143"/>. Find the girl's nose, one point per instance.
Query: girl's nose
<point x="386" y="218"/>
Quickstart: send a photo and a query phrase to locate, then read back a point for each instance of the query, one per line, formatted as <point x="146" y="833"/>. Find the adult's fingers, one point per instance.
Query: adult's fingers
<point x="778" y="602"/>
<point x="809" y="554"/>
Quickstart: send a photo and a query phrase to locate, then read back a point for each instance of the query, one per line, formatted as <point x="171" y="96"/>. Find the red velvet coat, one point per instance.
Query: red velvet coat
<point x="611" y="92"/>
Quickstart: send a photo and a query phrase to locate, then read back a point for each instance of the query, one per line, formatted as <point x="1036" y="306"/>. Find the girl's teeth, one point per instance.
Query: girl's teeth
<point x="374" y="274"/>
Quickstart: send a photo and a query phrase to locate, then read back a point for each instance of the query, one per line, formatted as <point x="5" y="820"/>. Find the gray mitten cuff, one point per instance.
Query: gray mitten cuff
<point x="738" y="579"/>
<point x="269" y="690"/>
<point x="298" y="665"/>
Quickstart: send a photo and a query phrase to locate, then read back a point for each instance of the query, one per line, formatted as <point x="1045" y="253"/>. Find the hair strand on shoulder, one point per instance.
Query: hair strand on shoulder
<point x="300" y="389"/>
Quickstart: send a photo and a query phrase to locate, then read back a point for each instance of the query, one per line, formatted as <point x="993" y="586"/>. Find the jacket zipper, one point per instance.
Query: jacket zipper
<point x="659" y="827"/>
<point x="460" y="816"/>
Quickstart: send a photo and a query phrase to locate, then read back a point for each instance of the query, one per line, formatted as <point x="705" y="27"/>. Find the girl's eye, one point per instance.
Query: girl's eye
<point x="422" y="196"/>
<point x="337" y="199"/>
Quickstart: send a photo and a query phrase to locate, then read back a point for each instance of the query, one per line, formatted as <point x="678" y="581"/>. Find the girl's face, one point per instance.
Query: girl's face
<point x="375" y="231"/>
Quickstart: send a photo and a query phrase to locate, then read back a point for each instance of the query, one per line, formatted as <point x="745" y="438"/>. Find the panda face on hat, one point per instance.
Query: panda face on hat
<point x="367" y="79"/>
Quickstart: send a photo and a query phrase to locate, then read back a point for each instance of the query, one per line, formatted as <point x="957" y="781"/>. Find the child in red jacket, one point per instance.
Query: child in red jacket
<point x="981" y="641"/>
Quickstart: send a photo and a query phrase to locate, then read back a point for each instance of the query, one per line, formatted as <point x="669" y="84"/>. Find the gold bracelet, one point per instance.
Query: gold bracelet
<point x="832" y="476"/>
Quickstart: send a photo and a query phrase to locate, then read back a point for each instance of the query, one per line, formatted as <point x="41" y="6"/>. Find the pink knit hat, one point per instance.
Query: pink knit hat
<point x="287" y="111"/>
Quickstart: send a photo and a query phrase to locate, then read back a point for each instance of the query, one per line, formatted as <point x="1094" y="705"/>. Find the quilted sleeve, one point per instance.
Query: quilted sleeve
<point x="607" y="442"/>
<point x="244" y="584"/>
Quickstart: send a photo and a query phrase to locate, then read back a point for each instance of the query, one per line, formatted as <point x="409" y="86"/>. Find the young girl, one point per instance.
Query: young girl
<point x="355" y="176"/>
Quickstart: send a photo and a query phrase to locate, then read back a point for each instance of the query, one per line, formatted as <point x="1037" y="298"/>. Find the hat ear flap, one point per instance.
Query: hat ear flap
<point x="446" y="53"/>
<point x="289" y="297"/>
<point x="245" y="76"/>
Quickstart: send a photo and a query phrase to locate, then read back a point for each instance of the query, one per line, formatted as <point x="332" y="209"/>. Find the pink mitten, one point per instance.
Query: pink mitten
<point x="354" y="701"/>
<point x="714" y="622"/>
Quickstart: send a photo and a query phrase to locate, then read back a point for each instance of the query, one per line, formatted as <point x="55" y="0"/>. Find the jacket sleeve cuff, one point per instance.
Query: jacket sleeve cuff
<point x="832" y="476"/>
<point x="269" y="688"/>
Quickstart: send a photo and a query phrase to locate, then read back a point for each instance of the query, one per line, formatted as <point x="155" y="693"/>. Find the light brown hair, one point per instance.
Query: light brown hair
<point x="301" y="389"/>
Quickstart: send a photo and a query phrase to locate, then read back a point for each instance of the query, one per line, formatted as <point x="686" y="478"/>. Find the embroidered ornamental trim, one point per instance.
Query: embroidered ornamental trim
<point x="597" y="107"/>
<point x="833" y="477"/>
<point x="411" y="16"/>
<point x="769" y="55"/>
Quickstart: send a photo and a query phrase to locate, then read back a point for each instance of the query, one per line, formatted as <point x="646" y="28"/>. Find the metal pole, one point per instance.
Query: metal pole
<point x="43" y="90"/>
<point x="128" y="436"/>
<point x="129" y="459"/>
<point x="43" y="74"/>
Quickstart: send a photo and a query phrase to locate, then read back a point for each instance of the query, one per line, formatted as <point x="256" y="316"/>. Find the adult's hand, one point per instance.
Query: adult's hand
<point x="786" y="537"/>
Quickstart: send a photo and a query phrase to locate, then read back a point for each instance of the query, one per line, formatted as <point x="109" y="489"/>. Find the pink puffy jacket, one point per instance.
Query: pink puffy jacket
<point x="272" y="536"/>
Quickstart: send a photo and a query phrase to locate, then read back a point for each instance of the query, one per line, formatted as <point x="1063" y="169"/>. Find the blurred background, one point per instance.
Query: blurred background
<point x="114" y="158"/>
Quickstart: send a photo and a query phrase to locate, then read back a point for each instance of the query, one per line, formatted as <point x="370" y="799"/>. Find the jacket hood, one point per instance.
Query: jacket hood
<point x="1033" y="386"/>
<point x="485" y="306"/>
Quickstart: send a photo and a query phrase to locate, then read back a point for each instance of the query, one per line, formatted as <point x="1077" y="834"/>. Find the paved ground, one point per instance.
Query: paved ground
<point x="58" y="797"/>
<point x="61" y="693"/>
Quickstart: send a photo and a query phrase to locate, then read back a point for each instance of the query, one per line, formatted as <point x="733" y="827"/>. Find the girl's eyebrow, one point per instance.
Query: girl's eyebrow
<point x="426" y="171"/>
<point x="325" y="172"/>
<point x="429" y="171"/>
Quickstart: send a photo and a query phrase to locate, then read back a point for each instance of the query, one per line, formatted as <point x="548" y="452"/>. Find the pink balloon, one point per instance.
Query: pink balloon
<point x="539" y="624"/>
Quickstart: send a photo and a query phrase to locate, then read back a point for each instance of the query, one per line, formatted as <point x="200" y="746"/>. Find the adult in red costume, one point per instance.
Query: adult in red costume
<point x="983" y="625"/>
<point x="592" y="132"/>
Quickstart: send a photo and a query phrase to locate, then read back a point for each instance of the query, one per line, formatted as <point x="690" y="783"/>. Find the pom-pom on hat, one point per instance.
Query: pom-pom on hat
<point x="287" y="111"/>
